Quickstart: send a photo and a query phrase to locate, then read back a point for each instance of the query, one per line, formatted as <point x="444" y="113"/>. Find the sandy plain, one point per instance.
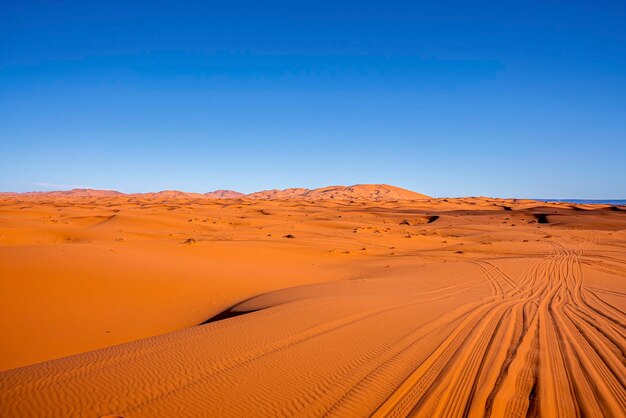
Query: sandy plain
<point x="174" y="304"/>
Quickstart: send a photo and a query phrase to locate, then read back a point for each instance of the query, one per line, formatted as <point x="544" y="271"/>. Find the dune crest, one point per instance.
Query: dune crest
<point x="224" y="194"/>
<point x="70" y="193"/>
<point x="366" y="192"/>
<point x="363" y="192"/>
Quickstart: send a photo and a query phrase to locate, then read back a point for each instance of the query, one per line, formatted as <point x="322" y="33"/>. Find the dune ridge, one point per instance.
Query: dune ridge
<point x="366" y="192"/>
<point x="67" y="193"/>
<point x="224" y="194"/>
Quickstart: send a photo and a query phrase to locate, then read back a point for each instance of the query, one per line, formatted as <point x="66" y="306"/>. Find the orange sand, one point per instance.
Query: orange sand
<point x="430" y="307"/>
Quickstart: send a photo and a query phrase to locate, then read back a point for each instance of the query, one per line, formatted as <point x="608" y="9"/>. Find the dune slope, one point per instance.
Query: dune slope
<point x="362" y="192"/>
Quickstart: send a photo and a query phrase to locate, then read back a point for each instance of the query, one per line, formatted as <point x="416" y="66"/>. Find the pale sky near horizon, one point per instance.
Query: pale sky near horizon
<point x="509" y="99"/>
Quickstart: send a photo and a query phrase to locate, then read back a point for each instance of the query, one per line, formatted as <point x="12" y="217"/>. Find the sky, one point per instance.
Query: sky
<point x="447" y="98"/>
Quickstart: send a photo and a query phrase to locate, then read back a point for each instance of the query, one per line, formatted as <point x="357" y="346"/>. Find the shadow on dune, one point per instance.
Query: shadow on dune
<point x="227" y="314"/>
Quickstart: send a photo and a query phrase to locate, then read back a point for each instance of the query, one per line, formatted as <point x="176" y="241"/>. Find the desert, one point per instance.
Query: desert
<point x="242" y="209"/>
<point x="367" y="300"/>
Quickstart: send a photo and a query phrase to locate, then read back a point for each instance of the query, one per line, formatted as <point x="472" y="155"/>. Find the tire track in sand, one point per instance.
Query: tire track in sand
<point x="566" y="354"/>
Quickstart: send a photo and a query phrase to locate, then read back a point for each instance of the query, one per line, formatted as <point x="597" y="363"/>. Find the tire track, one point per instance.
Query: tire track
<point x="567" y="353"/>
<point x="543" y="343"/>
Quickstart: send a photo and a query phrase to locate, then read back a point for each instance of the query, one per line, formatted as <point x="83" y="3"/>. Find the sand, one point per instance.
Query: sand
<point x="170" y="304"/>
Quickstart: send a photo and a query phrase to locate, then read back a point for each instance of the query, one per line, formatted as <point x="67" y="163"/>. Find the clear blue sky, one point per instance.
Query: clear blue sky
<point x="500" y="98"/>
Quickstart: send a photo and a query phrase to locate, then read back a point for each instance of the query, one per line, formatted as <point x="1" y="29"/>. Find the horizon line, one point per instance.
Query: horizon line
<point x="70" y="189"/>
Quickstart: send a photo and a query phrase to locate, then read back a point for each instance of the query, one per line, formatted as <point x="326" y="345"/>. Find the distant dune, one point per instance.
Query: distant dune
<point x="169" y="194"/>
<point x="224" y="194"/>
<point x="278" y="194"/>
<point x="69" y="193"/>
<point x="368" y="192"/>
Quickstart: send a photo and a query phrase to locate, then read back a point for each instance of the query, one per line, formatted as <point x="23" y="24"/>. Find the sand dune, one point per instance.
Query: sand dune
<point x="169" y="194"/>
<point x="381" y="303"/>
<point x="224" y="194"/>
<point x="366" y="192"/>
<point x="68" y="193"/>
<point x="278" y="194"/>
